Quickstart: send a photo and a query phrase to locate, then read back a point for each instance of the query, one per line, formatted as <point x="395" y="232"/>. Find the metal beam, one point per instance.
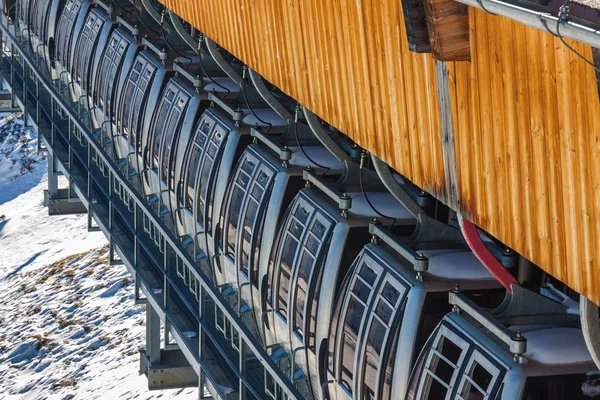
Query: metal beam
<point x="539" y="20"/>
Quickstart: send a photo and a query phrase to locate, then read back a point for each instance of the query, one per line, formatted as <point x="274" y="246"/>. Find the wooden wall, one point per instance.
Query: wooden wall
<point x="526" y="118"/>
<point x="525" y="112"/>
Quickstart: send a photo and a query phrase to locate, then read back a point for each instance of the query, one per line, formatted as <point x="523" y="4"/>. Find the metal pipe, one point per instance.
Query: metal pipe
<point x="539" y="20"/>
<point x="189" y="40"/>
<point x="268" y="97"/>
<point x="222" y="63"/>
<point x="475" y="243"/>
<point x="386" y="176"/>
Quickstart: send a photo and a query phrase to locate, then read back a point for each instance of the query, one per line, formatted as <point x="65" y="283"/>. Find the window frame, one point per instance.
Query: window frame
<point x="397" y="312"/>
<point x="369" y="261"/>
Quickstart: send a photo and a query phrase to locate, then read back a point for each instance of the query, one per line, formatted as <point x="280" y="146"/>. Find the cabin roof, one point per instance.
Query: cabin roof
<point x="557" y="346"/>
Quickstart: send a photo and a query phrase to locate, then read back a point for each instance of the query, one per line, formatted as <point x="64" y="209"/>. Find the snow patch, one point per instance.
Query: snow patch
<point x="69" y="327"/>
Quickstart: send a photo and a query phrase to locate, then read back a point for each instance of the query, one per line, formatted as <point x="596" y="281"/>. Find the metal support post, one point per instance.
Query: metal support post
<point x="52" y="176"/>
<point x="152" y="335"/>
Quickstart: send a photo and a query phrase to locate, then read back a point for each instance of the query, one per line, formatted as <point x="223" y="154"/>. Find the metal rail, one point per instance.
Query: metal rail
<point x="539" y="20"/>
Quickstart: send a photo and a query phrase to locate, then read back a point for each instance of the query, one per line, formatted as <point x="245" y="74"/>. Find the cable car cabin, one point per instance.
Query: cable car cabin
<point x="259" y="190"/>
<point x="203" y="177"/>
<point x="314" y="248"/>
<point x="172" y="121"/>
<point x="70" y="24"/>
<point x="463" y="359"/>
<point x="386" y="310"/>
<point x="89" y="44"/>
<point x="40" y="17"/>
<point x="137" y="101"/>
<point x="111" y="71"/>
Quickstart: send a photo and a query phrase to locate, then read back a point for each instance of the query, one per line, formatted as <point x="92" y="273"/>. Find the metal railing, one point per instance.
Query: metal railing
<point x="235" y="366"/>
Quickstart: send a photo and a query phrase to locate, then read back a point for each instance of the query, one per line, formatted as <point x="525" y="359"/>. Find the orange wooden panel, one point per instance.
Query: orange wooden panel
<point x="526" y="116"/>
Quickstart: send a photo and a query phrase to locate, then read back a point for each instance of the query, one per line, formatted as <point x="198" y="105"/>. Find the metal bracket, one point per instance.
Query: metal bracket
<point x="419" y="262"/>
<point x="344" y="201"/>
<point x="63" y="204"/>
<point x="515" y="341"/>
<point x="523" y="306"/>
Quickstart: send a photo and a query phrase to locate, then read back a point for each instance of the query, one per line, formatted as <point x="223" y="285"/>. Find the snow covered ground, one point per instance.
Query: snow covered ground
<point x="69" y="328"/>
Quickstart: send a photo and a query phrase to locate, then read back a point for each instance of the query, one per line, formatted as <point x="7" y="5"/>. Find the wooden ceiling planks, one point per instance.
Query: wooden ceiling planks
<point x="525" y="112"/>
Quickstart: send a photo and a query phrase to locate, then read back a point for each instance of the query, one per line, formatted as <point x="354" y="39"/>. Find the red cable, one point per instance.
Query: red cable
<point x="482" y="253"/>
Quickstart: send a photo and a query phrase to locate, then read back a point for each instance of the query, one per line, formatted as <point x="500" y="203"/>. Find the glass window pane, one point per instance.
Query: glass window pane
<point x="302" y="214"/>
<point x="375" y="340"/>
<point x="361" y="290"/>
<point x="450" y="350"/>
<point x="248" y="230"/>
<point x="284" y="284"/>
<point x="368" y="274"/>
<point x="304" y="273"/>
<point x="191" y="176"/>
<point x="312" y="244"/>
<point x="384" y="311"/>
<point x="390" y="293"/>
<point x="436" y="389"/>
<point x="237" y="198"/>
<point x="354" y="317"/>
<point x="300" y="302"/>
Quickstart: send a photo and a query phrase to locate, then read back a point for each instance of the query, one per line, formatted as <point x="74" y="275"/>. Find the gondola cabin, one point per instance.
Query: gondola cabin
<point x="315" y="246"/>
<point x="470" y="355"/>
<point x="138" y="99"/>
<point x="386" y="309"/>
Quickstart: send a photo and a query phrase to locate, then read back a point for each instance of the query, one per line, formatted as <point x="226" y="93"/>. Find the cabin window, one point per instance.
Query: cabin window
<point x="191" y="172"/>
<point x="387" y="373"/>
<point x="132" y="107"/>
<point x="166" y="129"/>
<point x="389" y="303"/>
<point x="358" y="300"/>
<point x="65" y="26"/>
<point x="309" y="270"/>
<point x="85" y="46"/>
<point x="252" y="185"/>
<point x="335" y="326"/>
<point x="256" y="205"/>
<point x="288" y="254"/>
<point x="209" y="167"/>
<point x="441" y="368"/>
<point x="196" y="150"/>
<point x="172" y="137"/>
<point x="107" y="75"/>
<point x="128" y="98"/>
<point x="240" y="187"/>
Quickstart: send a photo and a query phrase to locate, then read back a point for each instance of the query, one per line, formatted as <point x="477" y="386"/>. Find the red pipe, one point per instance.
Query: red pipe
<point x="482" y="253"/>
